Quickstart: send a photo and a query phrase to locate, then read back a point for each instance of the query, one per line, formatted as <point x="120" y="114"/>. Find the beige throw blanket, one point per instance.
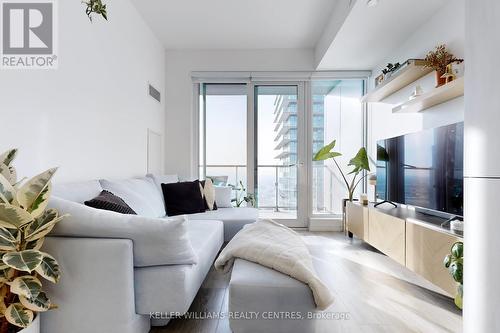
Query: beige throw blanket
<point x="275" y="246"/>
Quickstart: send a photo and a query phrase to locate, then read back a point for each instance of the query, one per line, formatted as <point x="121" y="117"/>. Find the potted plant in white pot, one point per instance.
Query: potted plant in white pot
<point x="24" y="223"/>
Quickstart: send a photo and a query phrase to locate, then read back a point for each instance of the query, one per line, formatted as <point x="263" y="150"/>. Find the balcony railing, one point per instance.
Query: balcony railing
<point x="285" y="186"/>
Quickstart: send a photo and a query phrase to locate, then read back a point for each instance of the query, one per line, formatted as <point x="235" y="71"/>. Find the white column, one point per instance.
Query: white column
<point x="482" y="167"/>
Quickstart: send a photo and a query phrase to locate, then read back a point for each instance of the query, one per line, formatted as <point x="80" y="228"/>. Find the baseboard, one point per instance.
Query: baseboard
<point x="325" y="225"/>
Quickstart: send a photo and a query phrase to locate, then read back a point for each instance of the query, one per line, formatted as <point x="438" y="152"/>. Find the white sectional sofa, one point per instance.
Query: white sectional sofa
<point x="122" y="271"/>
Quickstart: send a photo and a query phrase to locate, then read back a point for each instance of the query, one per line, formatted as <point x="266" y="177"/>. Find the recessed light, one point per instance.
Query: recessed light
<point x="372" y="3"/>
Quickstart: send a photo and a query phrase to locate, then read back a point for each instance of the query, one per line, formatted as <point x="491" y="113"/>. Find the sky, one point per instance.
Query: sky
<point x="227" y="128"/>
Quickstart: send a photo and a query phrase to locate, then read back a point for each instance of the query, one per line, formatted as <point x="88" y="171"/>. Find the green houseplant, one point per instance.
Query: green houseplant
<point x="24" y="223"/>
<point x="358" y="162"/>
<point x="240" y="198"/>
<point x="455" y="264"/>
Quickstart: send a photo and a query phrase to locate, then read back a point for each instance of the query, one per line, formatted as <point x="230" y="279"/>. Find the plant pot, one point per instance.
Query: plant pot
<point x="440" y="80"/>
<point x="459" y="296"/>
<point x="34" y="327"/>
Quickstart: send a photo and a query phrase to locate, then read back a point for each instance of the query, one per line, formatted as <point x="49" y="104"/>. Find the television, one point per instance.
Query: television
<point x="423" y="169"/>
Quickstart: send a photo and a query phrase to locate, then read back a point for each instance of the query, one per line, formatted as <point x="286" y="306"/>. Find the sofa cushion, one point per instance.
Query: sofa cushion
<point x="108" y="201"/>
<point x="233" y="218"/>
<point x="140" y="194"/>
<point x="172" y="288"/>
<point x="223" y="196"/>
<point x="163" y="179"/>
<point x="157" y="241"/>
<point x="79" y="191"/>
<point x="183" y="198"/>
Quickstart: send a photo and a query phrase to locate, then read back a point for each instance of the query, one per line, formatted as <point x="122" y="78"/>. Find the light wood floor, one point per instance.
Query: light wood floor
<point x="378" y="294"/>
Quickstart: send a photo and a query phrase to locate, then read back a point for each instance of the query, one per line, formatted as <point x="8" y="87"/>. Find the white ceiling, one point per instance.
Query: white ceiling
<point x="237" y="24"/>
<point x="369" y="34"/>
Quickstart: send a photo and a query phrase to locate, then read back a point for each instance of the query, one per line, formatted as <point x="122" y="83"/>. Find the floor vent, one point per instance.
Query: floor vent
<point x="153" y="92"/>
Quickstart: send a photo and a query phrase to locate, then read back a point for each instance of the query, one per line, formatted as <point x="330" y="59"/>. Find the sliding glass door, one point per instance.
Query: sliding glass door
<point x="261" y="137"/>
<point x="278" y="151"/>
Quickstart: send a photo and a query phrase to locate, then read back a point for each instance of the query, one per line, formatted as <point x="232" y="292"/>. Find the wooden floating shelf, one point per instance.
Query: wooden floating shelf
<point x="437" y="96"/>
<point x="414" y="69"/>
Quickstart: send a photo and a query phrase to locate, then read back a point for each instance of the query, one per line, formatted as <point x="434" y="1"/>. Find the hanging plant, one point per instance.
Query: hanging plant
<point x="95" y="7"/>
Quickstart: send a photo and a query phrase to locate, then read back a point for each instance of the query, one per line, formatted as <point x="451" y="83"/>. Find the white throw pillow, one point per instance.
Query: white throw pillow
<point x="79" y="191"/>
<point x="163" y="179"/>
<point x="157" y="241"/>
<point x="141" y="194"/>
<point x="223" y="196"/>
<point x="209" y="193"/>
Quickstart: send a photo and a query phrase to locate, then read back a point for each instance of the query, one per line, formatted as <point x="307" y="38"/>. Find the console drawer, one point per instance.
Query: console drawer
<point x="425" y="252"/>
<point x="387" y="234"/>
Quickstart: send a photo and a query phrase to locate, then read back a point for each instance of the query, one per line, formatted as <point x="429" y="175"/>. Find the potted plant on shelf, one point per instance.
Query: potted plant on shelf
<point x="358" y="162"/>
<point x="439" y="59"/>
<point x="24" y="223"/>
<point x="455" y="264"/>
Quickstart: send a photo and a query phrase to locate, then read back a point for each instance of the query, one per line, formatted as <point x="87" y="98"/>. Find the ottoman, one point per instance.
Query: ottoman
<point x="264" y="300"/>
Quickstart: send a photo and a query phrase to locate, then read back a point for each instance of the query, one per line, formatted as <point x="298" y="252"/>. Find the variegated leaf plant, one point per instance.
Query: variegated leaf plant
<point x="24" y="223"/>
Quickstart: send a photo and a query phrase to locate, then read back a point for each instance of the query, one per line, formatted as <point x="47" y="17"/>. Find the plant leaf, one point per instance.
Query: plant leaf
<point x="326" y="153"/>
<point x="456" y="270"/>
<point x="9" y="172"/>
<point x="7" y="235"/>
<point x="12" y="217"/>
<point x="7" y="157"/>
<point x="447" y="261"/>
<point x="7" y="246"/>
<point x="41" y="303"/>
<point x="360" y="161"/>
<point x="457" y="250"/>
<point x="33" y="195"/>
<point x="18" y="315"/>
<point x="42" y="225"/>
<point x="5" y="273"/>
<point x="35" y="245"/>
<point x="49" y="269"/>
<point x="7" y="191"/>
<point x="27" y="286"/>
<point x="26" y="261"/>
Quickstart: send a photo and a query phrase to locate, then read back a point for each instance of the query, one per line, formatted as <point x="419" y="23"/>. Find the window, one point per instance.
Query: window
<point x="223" y="130"/>
<point x="337" y="115"/>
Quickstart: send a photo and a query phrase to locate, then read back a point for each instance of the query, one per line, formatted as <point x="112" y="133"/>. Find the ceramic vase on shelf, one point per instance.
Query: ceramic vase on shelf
<point x="439" y="79"/>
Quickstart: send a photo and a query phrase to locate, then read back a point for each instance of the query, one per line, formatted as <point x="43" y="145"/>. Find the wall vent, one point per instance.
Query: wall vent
<point x="153" y="92"/>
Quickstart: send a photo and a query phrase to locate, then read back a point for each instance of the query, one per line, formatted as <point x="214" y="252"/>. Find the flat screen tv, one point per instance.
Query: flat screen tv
<point x="423" y="169"/>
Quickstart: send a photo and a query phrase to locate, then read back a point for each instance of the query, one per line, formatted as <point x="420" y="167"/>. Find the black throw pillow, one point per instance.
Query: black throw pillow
<point x="108" y="201"/>
<point x="183" y="198"/>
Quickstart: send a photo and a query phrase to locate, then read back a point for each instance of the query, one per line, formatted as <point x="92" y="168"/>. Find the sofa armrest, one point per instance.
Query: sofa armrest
<point x="96" y="290"/>
<point x="156" y="241"/>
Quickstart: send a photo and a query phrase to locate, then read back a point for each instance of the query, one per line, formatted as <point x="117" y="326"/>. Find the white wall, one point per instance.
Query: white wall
<point x="180" y="129"/>
<point x="450" y="31"/>
<point x="90" y="116"/>
<point x="482" y="170"/>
